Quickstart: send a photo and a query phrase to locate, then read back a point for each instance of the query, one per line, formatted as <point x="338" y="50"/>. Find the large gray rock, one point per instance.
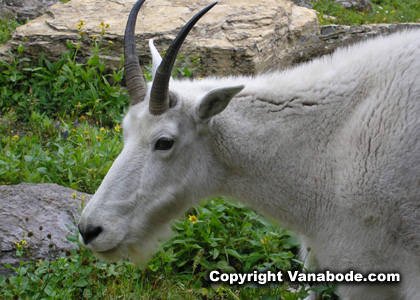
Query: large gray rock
<point x="360" y="5"/>
<point x="25" y="209"/>
<point x="248" y="37"/>
<point x="332" y="37"/>
<point x="26" y="9"/>
<point x="236" y="37"/>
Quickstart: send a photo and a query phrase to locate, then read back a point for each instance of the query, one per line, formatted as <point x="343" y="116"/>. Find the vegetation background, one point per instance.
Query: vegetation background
<point x="60" y="123"/>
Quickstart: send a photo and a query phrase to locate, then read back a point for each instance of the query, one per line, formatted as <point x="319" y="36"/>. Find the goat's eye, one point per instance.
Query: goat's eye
<point x="164" y="144"/>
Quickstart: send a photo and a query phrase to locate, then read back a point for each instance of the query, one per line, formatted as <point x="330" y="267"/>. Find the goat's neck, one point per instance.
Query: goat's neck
<point x="275" y="151"/>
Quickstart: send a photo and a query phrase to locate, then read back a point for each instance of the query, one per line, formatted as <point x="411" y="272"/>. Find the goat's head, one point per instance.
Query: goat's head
<point x="165" y="165"/>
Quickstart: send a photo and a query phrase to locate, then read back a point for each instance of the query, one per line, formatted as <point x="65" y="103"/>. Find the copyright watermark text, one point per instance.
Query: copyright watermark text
<point x="296" y="276"/>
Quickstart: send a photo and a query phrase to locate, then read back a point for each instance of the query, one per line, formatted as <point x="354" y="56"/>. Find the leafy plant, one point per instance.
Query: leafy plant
<point x="65" y="88"/>
<point x="227" y="236"/>
<point x="7" y="26"/>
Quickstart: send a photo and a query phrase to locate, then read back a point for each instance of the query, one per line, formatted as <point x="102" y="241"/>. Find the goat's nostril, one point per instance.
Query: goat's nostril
<point x="90" y="233"/>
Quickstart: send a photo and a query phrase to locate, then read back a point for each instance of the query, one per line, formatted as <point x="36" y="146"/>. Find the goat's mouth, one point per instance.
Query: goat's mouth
<point x="111" y="254"/>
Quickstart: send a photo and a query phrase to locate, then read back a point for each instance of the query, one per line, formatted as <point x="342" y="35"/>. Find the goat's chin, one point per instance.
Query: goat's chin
<point x="138" y="252"/>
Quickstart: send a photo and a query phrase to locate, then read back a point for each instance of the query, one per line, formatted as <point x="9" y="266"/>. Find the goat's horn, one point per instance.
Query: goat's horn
<point x="159" y="97"/>
<point x="132" y="71"/>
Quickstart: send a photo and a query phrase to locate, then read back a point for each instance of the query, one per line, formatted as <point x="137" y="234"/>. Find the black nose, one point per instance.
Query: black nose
<point x="90" y="233"/>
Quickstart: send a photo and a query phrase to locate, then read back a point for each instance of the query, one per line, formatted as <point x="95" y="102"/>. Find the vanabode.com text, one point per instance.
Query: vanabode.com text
<point x="296" y="276"/>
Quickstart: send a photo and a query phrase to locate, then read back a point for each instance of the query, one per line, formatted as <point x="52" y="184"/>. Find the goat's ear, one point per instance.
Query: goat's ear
<point x="156" y="58"/>
<point x="215" y="101"/>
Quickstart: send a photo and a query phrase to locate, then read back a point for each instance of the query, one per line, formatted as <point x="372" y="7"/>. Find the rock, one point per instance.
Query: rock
<point x="26" y="9"/>
<point x="333" y="36"/>
<point x="6" y="14"/>
<point x="233" y="38"/>
<point x="304" y="3"/>
<point x="360" y="5"/>
<point x="24" y="208"/>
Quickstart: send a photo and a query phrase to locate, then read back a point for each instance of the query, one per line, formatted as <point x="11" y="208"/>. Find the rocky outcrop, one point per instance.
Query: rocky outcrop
<point x="26" y="9"/>
<point x="333" y="36"/>
<point x="41" y="214"/>
<point x="236" y="37"/>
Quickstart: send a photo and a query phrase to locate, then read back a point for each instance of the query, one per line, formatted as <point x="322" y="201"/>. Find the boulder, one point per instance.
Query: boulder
<point x="333" y="36"/>
<point x="40" y="214"/>
<point x="235" y="37"/>
<point x="26" y="9"/>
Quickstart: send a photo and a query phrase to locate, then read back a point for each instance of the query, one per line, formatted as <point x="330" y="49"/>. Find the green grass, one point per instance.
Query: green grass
<point x="6" y="28"/>
<point x="384" y="11"/>
<point x="69" y="153"/>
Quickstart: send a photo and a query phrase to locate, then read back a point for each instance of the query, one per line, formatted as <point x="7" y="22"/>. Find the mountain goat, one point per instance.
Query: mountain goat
<point x="330" y="148"/>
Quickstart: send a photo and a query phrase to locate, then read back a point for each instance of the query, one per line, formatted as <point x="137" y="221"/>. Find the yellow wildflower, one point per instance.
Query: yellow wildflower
<point x="99" y="138"/>
<point x="111" y="42"/>
<point x="82" y="118"/>
<point x="74" y="196"/>
<point x="20" y="244"/>
<point x="95" y="37"/>
<point x="86" y="132"/>
<point x="102" y="129"/>
<point x="80" y="25"/>
<point x="193" y="219"/>
<point x="15" y="138"/>
<point x="117" y="128"/>
<point x="102" y="25"/>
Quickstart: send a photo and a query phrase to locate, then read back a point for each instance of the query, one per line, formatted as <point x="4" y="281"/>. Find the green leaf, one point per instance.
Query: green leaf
<point x="81" y="282"/>
<point x="234" y="253"/>
<point x="93" y="61"/>
<point x="215" y="253"/>
<point x="20" y="48"/>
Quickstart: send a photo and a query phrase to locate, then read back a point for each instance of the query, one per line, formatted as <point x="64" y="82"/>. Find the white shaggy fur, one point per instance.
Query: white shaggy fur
<point x="330" y="148"/>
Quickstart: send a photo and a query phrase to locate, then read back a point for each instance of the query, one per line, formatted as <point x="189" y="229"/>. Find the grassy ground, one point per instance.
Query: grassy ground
<point x="75" y="146"/>
<point x="384" y="11"/>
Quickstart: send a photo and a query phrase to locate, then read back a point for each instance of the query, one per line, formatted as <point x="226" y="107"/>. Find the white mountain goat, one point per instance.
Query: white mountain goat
<point x="330" y="148"/>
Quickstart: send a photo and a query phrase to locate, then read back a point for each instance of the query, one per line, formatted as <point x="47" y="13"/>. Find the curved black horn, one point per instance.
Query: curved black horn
<point x="159" y="97"/>
<point x="132" y="71"/>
